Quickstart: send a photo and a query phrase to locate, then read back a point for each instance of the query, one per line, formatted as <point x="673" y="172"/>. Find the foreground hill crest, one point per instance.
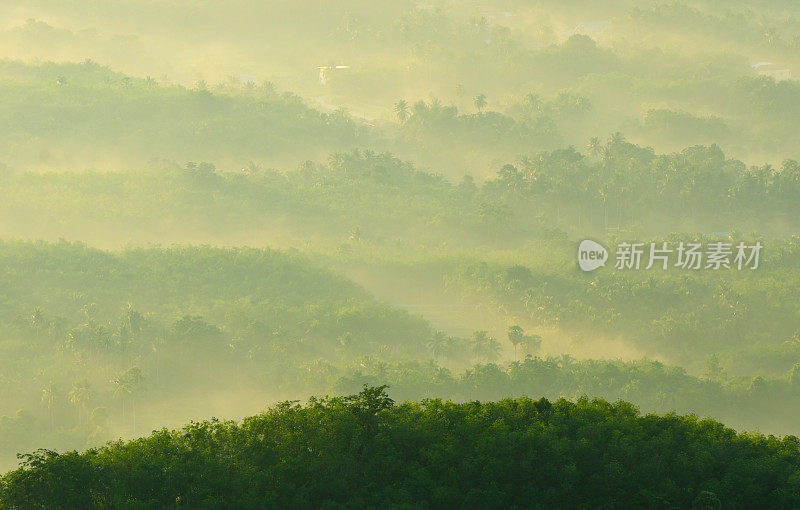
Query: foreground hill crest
<point x="366" y="451"/>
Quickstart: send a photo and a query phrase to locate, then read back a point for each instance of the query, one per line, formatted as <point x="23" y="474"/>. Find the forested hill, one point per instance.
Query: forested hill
<point x="96" y="344"/>
<point x="365" y="451"/>
<point x="667" y="74"/>
<point x="87" y="116"/>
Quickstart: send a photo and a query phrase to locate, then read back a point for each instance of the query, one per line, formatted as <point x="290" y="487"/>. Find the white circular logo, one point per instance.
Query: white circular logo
<point x="591" y="255"/>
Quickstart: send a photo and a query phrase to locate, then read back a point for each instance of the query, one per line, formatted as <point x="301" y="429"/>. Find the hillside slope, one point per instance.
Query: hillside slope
<point x="364" y="451"/>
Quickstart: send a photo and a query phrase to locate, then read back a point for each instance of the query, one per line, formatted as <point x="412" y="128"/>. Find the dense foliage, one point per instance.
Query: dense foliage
<point x="365" y="451"/>
<point x="85" y="116"/>
<point x="87" y="336"/>
<point x="669" y="74"/>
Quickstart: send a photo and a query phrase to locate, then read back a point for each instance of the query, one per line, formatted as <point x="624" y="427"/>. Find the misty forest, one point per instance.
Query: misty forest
<point x="325" y="254"/>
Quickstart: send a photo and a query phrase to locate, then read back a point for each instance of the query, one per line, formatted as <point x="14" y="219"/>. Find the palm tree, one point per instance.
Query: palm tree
<point x="100" y="336"/>
<point x="126" y="385"/>
<point x="420" y="107"/>
<point x="531" y="343"/>
<point x="485" y="347"/>
<point x="516" y="336"/>
<point x="38" y="321"/>
<point x="480" y="102"/>
<point x="438" y="344"/>
<point x="356" y="234"/>
<point x="79" y="396"/>
<point x="133" y="319"/>
<point x="794" y="375"/>
<point x="533" y="102"/>
<point x="401" y="110"/>
<point x="617" y="138"/>
<point x="461" y="91"/>
<point x="251" y="169"/>
<point x="714" y="369"/>
<point x="49" y="395"/>
<point x="594" y="146"/>
<point x="493" y="349"/>
<point x="73" y="340"/>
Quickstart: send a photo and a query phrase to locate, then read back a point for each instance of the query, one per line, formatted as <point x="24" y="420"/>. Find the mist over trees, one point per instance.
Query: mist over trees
<point x="214" y="209"/>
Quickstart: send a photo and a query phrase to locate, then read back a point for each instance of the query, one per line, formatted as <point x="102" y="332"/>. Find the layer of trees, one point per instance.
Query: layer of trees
<point x="366" y="207"/>
<point x="364" y="450"/>
<point x="646" y="73"/>
<point x="91" y="341"/>
<point x="94" y="343"/>
<point x="85" y="116"/>
<point x="749" y="319"/>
